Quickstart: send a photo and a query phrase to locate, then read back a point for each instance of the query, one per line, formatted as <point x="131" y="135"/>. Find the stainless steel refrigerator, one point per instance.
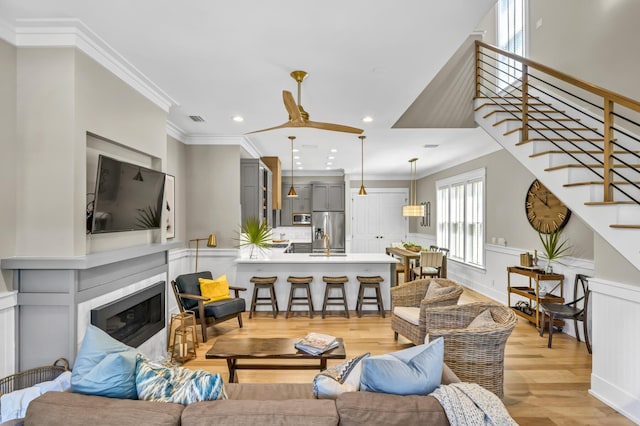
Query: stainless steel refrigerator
<point x="332" y="224"/>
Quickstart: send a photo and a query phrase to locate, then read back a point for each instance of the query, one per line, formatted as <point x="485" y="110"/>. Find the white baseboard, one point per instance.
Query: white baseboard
<point x="626" y="404"/>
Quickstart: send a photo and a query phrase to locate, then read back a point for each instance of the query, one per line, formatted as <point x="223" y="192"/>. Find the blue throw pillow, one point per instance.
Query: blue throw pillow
<point x="104" y="367"/>
<point x="177" y="384"/>
<point x="413" y="371"/>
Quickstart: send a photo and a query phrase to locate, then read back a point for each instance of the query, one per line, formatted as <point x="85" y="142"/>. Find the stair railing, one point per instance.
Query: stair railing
<point x="532" y="94"/>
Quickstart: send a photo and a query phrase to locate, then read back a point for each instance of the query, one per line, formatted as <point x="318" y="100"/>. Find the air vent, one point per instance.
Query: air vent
<point x="197" y="118"/>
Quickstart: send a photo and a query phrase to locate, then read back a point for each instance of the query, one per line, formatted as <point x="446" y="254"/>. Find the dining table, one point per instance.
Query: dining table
<point x="406" y="256"/>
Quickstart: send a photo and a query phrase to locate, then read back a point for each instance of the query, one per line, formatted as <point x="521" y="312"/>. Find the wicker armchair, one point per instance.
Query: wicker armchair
<point x="477" y="354"/>
<point x="411" y="295"/>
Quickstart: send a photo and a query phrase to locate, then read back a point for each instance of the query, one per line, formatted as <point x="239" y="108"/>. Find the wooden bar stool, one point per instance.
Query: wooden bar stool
<point x="301" y="283"/>
<point x="336" y="283"/>
<point x="269" y="300"/>
<point x="363" y="299"/>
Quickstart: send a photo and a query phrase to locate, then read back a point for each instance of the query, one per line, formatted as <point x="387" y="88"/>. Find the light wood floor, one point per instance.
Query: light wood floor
<point x="542" y="386"/>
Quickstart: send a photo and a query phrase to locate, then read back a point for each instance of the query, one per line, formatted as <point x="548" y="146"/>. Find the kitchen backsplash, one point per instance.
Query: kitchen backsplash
<point x="294" y="233"/>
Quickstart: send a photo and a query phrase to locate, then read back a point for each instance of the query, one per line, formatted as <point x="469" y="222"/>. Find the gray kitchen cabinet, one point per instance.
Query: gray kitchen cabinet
<point x="327" y="196"/>
<point x="291" y="205"/>
<point x="286" y="211"/>
<point x="256" y="192"/>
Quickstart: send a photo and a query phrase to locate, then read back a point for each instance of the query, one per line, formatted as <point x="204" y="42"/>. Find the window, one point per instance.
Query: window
<point x="511" y="37"/>
<point x="460" y="216"/>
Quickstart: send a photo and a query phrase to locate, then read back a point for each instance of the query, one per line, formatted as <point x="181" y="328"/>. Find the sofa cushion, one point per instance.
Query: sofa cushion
<point x="177" y="384"/>
<point x="413" y="371"/>
<point x="268" y="391"/>
<point x="344" y="377"/>
<point x="189" y="283"/>
<point x="367" y="408"/>
<point x="294" y="412"/>
<point x="216" y="289"/>
<point x="223" y="308"/>
<point x="104" y="366"/>
<point x="74" y="409"/>
<point x="408" y="313"/>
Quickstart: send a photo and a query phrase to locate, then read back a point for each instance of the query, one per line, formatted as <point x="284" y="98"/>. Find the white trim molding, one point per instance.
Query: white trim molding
<point x="8" y="304"/>
<point x="7" y="32"/>
<point x="616" y="348"/>
<point x="176" y="132"/>
<point x="8" y="300"/>
<point x="74" y="33"/>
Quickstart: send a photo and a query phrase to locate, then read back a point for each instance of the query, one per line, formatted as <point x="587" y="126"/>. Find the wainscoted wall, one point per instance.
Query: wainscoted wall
<point x="8" y="303"/>
<point x="615" y="368"/>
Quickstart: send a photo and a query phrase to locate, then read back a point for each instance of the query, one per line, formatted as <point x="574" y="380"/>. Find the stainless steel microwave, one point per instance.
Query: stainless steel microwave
<point x="301" y="219"/>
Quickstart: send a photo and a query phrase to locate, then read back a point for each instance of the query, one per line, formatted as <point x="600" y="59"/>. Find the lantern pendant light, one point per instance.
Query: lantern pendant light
<point x="362" y="190"/>
<point x="292" y="191"/>
<point x="413" y="209"/>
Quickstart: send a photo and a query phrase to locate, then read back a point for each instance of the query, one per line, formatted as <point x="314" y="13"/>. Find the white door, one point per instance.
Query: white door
<point x="376" y="220"/>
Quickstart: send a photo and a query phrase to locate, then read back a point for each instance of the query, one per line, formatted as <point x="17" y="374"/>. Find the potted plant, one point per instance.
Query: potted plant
<point x="553" y="248"/>
<point x="256" y="235"/>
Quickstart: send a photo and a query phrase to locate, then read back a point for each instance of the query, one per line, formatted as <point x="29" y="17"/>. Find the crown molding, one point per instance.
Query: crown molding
<point x="176" y="132"/>
<point x="73" y="33"/>
<point x="239" y="140"/>
<point x="7" y="33"/>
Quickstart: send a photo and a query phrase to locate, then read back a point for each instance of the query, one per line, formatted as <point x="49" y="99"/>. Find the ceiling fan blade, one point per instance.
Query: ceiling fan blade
<point x="282" y="126"/>
<point x="333" y="127"/>
<point x="291" y="106"/>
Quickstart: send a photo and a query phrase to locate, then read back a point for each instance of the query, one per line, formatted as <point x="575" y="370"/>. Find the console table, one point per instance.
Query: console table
<point x="531" y="292"/>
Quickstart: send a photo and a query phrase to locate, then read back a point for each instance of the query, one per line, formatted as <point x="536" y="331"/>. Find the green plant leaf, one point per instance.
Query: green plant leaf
<point x="254" y="232"/>
<point x="147" y="218"/>
<point x="553" y="248"/>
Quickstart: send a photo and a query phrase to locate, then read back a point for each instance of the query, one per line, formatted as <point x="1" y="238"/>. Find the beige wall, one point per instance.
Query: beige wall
<point x="507" y="183"/>
<point x="611" y="266"/>
<point x="594" y="40"/>
<point x="7" y="158"/>
<point x="61" y="95"/>
<point x="213" y="193"/>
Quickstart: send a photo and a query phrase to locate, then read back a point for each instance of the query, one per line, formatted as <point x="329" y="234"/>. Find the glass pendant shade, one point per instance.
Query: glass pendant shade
<point x="413" y="209"/>
<point x="292" y="191"/>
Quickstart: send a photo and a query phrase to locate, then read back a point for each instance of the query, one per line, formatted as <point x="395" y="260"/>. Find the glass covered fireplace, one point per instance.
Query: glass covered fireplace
<point x="135" y="318"/>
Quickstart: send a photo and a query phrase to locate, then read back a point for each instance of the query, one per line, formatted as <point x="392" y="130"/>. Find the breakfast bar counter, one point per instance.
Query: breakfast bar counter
<point x="317" y="265"/>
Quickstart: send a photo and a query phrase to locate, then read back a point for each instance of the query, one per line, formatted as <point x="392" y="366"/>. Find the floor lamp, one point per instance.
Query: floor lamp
<point x="211" y="242"/>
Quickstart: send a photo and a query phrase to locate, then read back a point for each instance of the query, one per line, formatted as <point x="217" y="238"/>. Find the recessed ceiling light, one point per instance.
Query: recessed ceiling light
<point x="334" y="150"/>
<point x="329" y="163"/>
<point x="298" y="163"/>
<point x="327" y="168"/>
<point x="237" y="118"/>
<point x="430" y="146"/>
<point x="300" y="167"/>
<point x="367" y="119"/>
<point x="331" y="157"/>
<point x="295" y="150"/>
<point x="297" y="157"/>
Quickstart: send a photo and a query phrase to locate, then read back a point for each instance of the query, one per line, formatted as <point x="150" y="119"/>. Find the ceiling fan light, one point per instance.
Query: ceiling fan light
<point x="413" y="210"/>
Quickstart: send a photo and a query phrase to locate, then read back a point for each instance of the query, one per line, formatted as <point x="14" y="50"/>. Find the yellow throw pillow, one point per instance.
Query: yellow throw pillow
<point x="215" y="290"/>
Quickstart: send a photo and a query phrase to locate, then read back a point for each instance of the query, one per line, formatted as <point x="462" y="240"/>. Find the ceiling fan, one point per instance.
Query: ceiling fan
<point x="298" y="117"/>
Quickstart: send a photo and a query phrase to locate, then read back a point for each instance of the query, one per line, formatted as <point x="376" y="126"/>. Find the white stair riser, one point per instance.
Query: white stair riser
<point x="597" y="193"/>
<point x="559" y="159"/>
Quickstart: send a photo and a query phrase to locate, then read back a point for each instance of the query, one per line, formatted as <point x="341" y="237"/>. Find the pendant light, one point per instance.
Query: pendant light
<point x="362" y="190"/>
<point x="292" y="190"/>
<point x="413" y="209"/>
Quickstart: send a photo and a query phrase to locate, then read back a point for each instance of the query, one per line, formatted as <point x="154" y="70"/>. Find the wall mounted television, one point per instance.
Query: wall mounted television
<point x="127" y="197"/>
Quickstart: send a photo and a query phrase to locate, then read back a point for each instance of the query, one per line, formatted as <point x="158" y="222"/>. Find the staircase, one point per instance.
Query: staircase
<point x="579" y="140"/>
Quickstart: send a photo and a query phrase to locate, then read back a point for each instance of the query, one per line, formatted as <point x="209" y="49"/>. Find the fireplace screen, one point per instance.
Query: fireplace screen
<point x="135" y="318"/>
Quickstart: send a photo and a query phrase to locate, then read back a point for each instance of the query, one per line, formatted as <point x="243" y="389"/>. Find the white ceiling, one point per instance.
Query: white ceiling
<point x="218" y="59"/>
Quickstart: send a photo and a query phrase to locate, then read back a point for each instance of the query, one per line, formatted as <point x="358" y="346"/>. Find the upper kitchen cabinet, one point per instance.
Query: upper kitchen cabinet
<point x="327" y="196"/>
<point x="291" y="205"/>
<point x="256" y="191"/>
<point x="274" y="164"/>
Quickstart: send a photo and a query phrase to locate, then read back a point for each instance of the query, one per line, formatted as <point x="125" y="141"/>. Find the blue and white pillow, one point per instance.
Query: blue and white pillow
<point x="413" y="371"/>
<point x="344" y="377"/>
<point x="177" y="384"/>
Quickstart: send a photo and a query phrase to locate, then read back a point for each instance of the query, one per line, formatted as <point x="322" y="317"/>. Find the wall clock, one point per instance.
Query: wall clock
<point x="545" y="212"/>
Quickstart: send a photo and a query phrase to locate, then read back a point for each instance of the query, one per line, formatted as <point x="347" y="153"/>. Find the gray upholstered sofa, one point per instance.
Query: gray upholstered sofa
<point x="272" y="404"/>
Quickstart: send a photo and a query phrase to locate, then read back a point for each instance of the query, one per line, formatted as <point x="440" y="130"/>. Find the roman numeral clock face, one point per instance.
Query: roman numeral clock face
<point x="545" y="211"/>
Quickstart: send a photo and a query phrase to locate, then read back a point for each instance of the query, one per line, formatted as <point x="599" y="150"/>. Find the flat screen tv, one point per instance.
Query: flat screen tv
<point x="127" y="198"/>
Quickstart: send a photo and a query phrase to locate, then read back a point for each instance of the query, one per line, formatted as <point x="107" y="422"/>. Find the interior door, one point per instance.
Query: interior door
<point x="377" y="220"/>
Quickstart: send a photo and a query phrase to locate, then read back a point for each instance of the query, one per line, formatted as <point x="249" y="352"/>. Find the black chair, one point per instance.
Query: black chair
<point x="186" y="288"/>
<point x="569" y="310"/>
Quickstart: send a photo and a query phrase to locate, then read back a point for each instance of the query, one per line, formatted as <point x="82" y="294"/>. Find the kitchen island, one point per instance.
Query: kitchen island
<point x="316" y="265"/>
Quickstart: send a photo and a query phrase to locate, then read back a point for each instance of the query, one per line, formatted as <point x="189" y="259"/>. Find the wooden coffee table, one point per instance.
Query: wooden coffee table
<point x="254" y="348"/>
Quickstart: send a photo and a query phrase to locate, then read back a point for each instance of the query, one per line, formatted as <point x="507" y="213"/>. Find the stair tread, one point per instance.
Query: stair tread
<point x="598" y="182"/>
<point x="591" y="166"/>
<point x="517" y="111"/>
<point x="621" y="226"/>
<point x="577" y="151"/>
<point x="497" y="104"/>
<point x="532" y="119"/>
<point x="608" y="203"/>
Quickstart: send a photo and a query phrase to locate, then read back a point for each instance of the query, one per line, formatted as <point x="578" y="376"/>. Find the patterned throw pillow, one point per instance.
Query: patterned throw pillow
<point x="341" y="378"/>
<point x="179" y="385"/>
<point x="215" y="290"/>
